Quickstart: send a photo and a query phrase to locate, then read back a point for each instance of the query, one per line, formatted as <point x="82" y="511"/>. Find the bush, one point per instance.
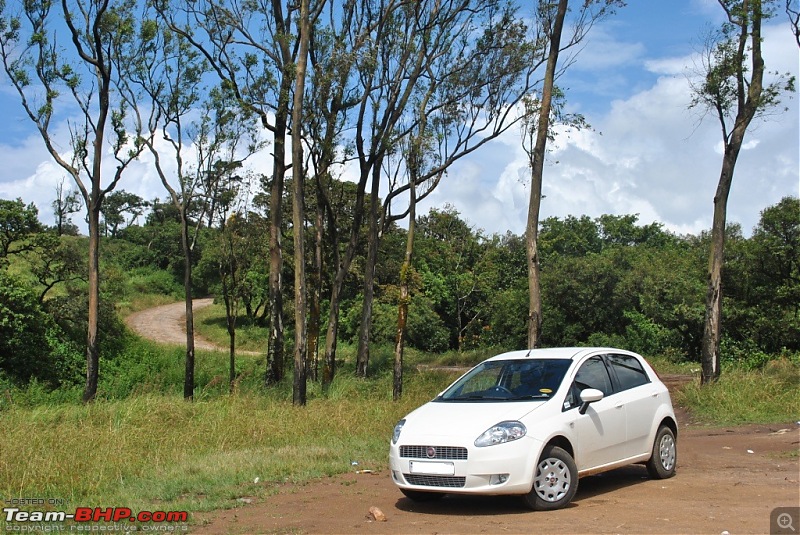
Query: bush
<point x="32" y="346"/>
<point x="153" y="281"/>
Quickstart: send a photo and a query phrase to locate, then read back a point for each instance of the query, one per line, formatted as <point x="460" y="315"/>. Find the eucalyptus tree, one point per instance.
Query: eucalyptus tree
<point x="249" y="46"/>
<point x="63" y="205"/>
<point x="41" y="68"/>
<point x="733" y="89"/>
<point x="193" y="134"/>
<point x="298" y="204"/>
<point x="542" y="113"/>
<point x="468" y="63"/>
<point x="455" y="112"/>
<point x="341" y="33"/>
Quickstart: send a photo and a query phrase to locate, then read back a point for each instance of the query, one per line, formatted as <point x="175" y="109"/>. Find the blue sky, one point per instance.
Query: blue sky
<point x="646" y="153"/>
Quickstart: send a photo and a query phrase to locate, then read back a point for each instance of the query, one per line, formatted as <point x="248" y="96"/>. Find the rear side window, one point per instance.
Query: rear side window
<point x="628" y="370"/>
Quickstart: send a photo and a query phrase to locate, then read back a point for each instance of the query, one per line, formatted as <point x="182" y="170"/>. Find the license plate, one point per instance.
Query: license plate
<point x="435" y="469"/>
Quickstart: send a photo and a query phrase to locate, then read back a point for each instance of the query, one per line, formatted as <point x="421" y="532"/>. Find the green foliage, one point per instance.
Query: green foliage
<point x="18" y="223"/>
<point x="32" y="346"/>
<point x="147" y="280"/>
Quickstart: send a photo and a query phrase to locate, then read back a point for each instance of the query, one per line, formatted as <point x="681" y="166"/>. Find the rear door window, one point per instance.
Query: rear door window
<point x="629" y="371"/>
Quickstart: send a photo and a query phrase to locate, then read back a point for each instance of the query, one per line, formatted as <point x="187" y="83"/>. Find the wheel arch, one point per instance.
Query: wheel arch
<point x="671" y="423"/>
<point x="562" y="442"/>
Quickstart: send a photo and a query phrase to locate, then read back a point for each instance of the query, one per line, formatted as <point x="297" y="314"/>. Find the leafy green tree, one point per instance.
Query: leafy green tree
<point x="572" y="236"/>
<point x="39" y="69"/>
<point x="762" y="282"/>
<point x="62" y="262"/>
<point x="116" y="206"/>
<point x="18" y="224"/>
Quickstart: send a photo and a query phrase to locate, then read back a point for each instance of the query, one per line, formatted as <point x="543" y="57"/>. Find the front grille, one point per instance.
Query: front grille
<point x="442" y="452"/>
<point x="452" y="482"/>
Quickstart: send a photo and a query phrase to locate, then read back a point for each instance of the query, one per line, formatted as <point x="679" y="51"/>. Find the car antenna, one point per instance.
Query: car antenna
<point x="528" y="354"/>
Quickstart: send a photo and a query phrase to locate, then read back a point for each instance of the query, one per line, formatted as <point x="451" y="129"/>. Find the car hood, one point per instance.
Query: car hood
<point x="462" y="420"/>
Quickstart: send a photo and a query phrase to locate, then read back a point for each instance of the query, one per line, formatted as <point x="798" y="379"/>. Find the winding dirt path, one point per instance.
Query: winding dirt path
<point x="166" y="324"/>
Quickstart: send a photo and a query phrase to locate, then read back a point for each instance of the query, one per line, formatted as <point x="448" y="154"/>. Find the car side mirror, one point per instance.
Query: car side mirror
<point x="590" y="395"/>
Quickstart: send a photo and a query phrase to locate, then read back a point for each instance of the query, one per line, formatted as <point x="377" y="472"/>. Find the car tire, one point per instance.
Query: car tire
<point x="422" y="496"/>
<point x="555" y="481"/>
<point x="664" y="457"/>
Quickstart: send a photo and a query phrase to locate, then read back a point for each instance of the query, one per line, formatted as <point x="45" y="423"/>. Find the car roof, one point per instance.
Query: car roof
<point x="557" y="353"/>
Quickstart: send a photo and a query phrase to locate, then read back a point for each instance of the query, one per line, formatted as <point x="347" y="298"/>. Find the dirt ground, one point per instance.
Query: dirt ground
<point x="728" y="480"/>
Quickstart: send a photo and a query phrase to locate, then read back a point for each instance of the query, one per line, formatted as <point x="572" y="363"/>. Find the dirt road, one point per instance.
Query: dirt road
<point x="166" y="324"/>
<point x="728" y="480"/>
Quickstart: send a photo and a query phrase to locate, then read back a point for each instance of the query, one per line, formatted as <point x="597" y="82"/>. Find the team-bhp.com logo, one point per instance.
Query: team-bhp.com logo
<point x="94" y="514"/>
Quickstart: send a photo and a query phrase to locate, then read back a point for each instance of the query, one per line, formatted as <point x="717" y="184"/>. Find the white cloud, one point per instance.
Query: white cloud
<point x="648" y="155"/>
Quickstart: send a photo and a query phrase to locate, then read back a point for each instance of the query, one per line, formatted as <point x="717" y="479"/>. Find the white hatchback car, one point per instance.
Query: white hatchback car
<point x="532" y="422"/>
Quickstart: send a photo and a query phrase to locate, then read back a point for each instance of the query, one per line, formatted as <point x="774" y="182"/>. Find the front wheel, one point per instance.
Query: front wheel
<point x="555" y="482"/>
<point x="664" y="456"/>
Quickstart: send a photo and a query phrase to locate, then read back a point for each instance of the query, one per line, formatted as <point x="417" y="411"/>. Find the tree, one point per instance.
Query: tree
<point x="61" y="262"/>
<point x="298" y="208"/>
<point x="793" y="12"/>
<point x="116" y="205"/>
<point x="249" y="46"/>
<point x="18" y="225"/>
<point x="30" y="51"/>
<point x="735" y="93"/>
<point x="65" y="203"/>
<point x="460" y="109"/>
<point x="540" y="113"/>
<point x="164" y="85"/>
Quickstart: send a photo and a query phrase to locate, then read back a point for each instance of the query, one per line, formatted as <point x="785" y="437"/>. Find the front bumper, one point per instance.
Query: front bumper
<point x="500" y="469"/>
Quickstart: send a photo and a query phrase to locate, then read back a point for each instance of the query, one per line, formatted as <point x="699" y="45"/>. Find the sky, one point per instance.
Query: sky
<point x="646" y="153"/>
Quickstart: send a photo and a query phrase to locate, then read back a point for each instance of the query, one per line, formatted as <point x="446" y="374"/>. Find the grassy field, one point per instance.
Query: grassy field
<point x="140" y="445"/>
<point x="158" y="452"/>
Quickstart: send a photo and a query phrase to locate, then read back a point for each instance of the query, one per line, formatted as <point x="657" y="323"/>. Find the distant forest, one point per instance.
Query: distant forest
<point x="605" y="281"/>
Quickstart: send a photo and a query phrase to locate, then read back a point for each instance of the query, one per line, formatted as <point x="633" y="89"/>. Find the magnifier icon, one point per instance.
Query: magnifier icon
<point x="785" y="522"/>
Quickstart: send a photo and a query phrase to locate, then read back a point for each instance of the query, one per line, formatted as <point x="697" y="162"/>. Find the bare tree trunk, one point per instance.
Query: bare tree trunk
<point x="315" y="312"/>
<point x="405" y="298"/>
<point x="275" y="352"/>
<point x="92" y="350"/>
<point x="362" y="358"/>
<point x="298" y="214"/>
<point x="710" y="357"/>
<point x="537" y="172"/>
<point x="188" y="378"/>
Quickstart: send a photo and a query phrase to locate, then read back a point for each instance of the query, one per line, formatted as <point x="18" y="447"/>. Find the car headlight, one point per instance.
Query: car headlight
<point x="397" y="429"/>
<point x="501" y="433"/>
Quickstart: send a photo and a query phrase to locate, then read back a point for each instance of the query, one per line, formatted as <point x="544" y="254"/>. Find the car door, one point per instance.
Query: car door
<point x="601" y="430"/>
<point x="640" y="396"/>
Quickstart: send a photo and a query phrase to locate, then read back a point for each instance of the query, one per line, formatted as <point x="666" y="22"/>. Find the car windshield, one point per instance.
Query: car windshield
<point x="509" y="380"/>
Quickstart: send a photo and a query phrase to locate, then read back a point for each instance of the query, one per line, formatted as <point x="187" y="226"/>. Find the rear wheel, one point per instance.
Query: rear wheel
<point x="555" y="481"/>
<point x="665" y="454"/>
<point x="422" y="496"/>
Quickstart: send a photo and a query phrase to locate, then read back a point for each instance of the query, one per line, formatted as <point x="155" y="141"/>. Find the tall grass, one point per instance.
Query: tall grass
<point x="767" y="395"/>
<point x="158" y="451"/>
